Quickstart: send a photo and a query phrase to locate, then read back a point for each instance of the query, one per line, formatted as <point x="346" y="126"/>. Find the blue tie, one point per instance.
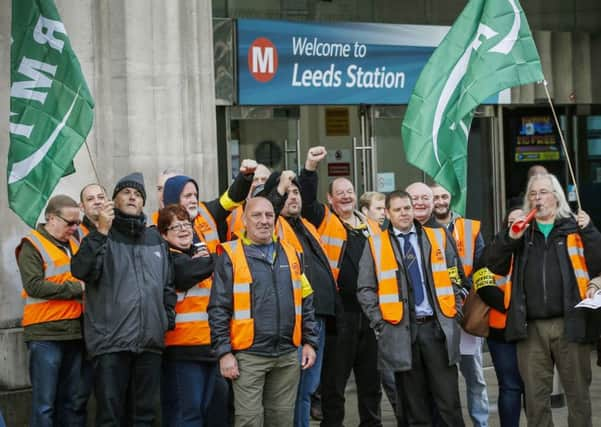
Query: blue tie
<point x="412" y="266"/>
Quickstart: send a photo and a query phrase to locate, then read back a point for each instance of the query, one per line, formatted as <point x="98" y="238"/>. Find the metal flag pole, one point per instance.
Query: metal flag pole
<point x="564" y="145"/>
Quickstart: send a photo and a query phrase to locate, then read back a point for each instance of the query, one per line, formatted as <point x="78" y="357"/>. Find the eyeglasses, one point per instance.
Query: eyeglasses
<point x="180" y="226"/>
<point x="541" y="193"/>
<point x="77" y="222"/>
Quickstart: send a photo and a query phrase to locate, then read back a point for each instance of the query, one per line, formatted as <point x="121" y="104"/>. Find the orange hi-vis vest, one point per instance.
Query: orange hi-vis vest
<point x="440" y="273"/>
<point x="575" y="250"/>
<point x="333" y="237"/>
<point x="57" y="269"/>
<point x="465" y="232"/>
<point x="242" y="330"/>
<point x="191" y="318"/>
<point x="234" y="223"/>
<point x="83" y="231"/>
<point x="154" y="218"/>
<point x="205" y="227"/>
<point x="285" y="232"/>
<point x="576" y="254"/>
<point x="496" y="319"/>
<point x="386" y="268"/>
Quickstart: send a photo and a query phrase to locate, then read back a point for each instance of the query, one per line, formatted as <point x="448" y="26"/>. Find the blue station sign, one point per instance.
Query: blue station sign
<point x="283" y="62"/>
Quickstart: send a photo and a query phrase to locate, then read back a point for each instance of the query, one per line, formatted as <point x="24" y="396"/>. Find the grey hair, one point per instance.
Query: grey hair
<point x="174" y="171"/>
<point x="563" y="209"/>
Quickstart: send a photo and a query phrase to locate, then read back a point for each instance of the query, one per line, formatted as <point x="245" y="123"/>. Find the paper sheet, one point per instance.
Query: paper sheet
<point x="468" y="344"/>
<point x="592" y="303"/>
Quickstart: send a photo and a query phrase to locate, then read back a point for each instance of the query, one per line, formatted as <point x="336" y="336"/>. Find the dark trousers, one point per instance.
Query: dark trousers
<point x="127" y="388"/>
<point x="354" y="348"/>
<point x="511" y="388"/>
<point x="430" y="375"/>
<point x="187" y="389"/>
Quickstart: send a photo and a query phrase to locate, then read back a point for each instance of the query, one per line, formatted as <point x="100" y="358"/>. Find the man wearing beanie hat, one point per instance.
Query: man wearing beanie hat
<point x="129" y="306"/>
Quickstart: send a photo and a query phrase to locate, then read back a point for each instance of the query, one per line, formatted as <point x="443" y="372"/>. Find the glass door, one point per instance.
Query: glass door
<point x="270" y="135"/>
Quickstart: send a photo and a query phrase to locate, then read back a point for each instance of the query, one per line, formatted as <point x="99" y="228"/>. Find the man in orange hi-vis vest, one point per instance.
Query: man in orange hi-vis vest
<point x="406" y="290"/>
<point x="91" y="201"/>
<point x="350" y="343"/>
<point x="52" y="315"/>
<point x="283" y="190"/>
<point x="551" y="261"/>
<point x="260" y="312"/>
<point x="469" y="243"/>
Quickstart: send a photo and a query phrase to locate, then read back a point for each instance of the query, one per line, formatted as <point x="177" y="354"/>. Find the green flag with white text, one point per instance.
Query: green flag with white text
<point x="51" y="108"/>
<point x="489" y="48"/>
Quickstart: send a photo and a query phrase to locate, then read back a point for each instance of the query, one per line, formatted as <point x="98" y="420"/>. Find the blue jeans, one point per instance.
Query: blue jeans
<point x="477" y="397"/>
<point x="55" y="370"/>
<point x="511" y="388"/>
<point x="309" y="379"/>
<point x="187" y="389"/>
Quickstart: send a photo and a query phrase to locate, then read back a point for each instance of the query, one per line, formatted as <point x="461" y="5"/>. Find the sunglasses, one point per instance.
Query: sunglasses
<point x="69" y="223"/>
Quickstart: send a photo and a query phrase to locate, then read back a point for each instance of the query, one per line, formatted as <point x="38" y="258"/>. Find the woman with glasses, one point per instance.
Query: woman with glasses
<point x="189" y="366"/>
<point x="502" y="352"/>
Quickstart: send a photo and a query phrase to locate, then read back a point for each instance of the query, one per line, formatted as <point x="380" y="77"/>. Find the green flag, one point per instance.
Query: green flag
<point x="50" y="106"/>
<point x="489" y="48"/>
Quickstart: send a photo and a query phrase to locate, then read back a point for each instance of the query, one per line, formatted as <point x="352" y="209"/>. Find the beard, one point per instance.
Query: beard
<point x="442" y="214"/>
<point x="193" y="212"/>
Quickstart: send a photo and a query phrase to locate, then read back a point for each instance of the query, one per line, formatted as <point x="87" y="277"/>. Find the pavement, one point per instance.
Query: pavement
<point x="560" y="415"/>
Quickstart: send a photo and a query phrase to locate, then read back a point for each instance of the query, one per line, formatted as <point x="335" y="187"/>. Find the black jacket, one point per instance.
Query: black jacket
<point x="543" y="281"/>
<point x="272" y="305"/>
<point x="314" y="211"/>
<point x="128" y="280"/>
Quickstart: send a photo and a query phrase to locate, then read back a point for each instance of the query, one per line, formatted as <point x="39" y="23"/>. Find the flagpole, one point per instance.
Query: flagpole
<point x="563" y="143"/>
<point x="92" y="162"/>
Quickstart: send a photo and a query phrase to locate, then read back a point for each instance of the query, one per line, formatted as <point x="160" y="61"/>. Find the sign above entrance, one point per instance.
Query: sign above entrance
<point x="282" y="62"/>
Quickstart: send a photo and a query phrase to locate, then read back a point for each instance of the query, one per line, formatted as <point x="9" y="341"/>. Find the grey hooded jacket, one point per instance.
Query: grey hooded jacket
<point x="127" y="279"/>
<point x="394" y="341"/>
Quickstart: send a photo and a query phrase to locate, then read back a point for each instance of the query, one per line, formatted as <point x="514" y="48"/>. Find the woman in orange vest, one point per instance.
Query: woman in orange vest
<point x="503" y="353"/>
<point x="189" y="365"/>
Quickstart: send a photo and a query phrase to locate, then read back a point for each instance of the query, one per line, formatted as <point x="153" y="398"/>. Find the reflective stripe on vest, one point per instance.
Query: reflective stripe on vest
<point x="242" y="331"/>
<point x="496" y="319"/>
<point x="576" y="254"/>
<point x="285" y="232"/>
<point x="191" y="318"/>
<point x="57" y="269"/>
<point x="83" y="231"/>
<point x="386" y="268"/>
<point x="465" y="232"/>
<point x="442" y="281"/>
<point x="333" y="237"/>
<point x="206" y="228"/>
<point x="234" y="222"/>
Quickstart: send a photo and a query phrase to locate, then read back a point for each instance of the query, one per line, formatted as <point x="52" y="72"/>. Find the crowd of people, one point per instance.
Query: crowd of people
<point x="237" y="310"/>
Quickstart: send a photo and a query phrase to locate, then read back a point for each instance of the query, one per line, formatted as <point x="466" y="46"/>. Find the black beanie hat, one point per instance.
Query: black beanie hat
<point x="133" y="180"/>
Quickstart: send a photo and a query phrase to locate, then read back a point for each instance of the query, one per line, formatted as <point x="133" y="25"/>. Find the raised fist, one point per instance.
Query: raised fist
<point x="314" y="156"/>
<point x="248" y="166"/>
